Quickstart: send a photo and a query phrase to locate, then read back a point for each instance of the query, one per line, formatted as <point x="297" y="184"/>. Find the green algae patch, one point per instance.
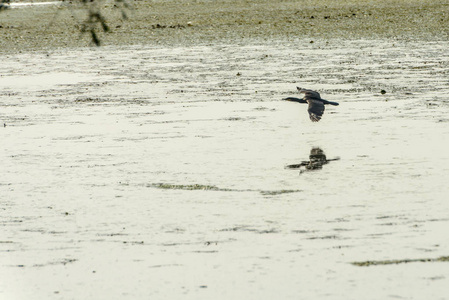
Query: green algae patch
<point x="398" y="261"/>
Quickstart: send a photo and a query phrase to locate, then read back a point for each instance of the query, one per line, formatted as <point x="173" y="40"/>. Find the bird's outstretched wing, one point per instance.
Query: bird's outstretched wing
<point x="315" y="109"/>
<point x="309" y="94"/>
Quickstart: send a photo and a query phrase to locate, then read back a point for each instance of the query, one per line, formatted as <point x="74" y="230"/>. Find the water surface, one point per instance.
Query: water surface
<point x="150" y="172"/>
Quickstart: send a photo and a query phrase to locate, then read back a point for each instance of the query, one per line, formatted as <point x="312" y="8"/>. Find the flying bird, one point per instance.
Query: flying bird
<point x="316" y="104"/>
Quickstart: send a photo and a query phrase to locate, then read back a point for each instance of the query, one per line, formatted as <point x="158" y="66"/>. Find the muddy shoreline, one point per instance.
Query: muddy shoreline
<point x="231" y="21"/>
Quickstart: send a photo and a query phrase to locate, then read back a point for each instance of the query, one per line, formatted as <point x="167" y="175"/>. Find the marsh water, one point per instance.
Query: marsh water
<point x="160" y="173"/>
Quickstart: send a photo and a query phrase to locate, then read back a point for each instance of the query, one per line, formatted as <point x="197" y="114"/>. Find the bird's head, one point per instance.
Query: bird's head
<point x="293" y="99"/>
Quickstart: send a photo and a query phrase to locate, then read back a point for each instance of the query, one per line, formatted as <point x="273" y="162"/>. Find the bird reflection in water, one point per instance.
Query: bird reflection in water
<point x="317" y="159"/>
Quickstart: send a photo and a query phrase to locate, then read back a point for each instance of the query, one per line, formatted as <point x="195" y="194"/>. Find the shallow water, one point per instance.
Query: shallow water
<point x="22" y="4"/>
<point x="136" y="173"/>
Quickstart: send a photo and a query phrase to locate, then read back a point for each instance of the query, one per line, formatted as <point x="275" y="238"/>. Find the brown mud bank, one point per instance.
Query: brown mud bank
<point x="203" y="21"/>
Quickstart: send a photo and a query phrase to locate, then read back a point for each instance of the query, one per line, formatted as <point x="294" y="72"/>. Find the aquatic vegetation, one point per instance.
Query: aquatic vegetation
<point x="202" y="187"/>
<point x="246" y="228"/>
<point x="398" y="261"/>
<point x="279" y="192"/>
<point x="189" y="187"/>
